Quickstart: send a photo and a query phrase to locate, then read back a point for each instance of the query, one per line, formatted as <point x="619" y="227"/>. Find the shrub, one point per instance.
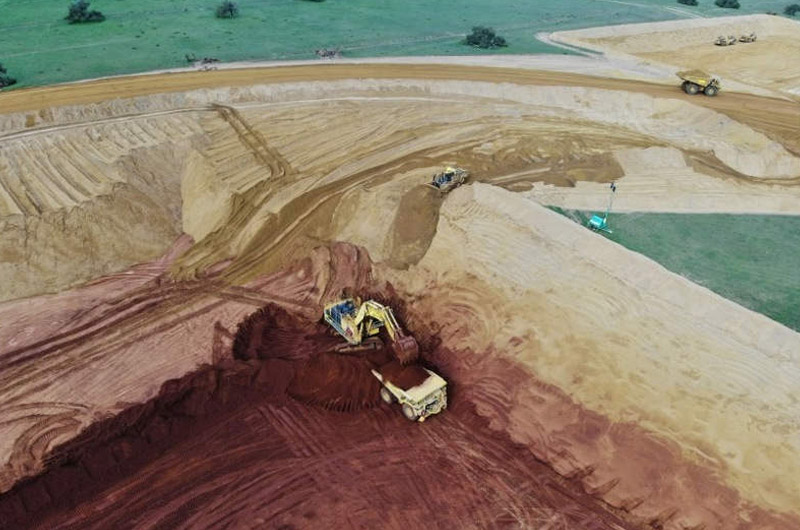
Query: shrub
<point x="227" y="10"/>
<point x="688" y="2"/>
<point x="482" y="37"/>
<point x="791" y="10"/>
<point x="79" y="12"/>
<point x="730" y="4"/>
<point x="5" y="79"/>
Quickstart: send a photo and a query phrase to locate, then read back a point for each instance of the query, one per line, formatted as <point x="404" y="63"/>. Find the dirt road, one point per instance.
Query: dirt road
<point x="773" y="116"/>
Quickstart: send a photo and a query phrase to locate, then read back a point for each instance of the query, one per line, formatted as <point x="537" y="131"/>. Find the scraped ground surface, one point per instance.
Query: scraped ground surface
<point x="586" y="390"/>
<point x="767" y="63"/>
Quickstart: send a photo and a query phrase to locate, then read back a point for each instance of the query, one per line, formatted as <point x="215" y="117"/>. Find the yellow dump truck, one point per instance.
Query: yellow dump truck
<point x="695" y="81"/>
<point x="424" y="399"/>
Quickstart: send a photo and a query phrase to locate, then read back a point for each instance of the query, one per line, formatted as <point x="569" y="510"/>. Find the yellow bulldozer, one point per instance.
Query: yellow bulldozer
<point x="695" y="81"/>
<point x="360" y="323"/>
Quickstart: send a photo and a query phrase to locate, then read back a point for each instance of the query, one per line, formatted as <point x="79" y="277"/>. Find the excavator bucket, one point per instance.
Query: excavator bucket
<point x="406" y="349"/>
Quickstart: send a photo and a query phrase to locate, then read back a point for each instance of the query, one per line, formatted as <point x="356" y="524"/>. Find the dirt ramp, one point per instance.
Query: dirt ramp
<point x="340" y="267"/>
<point x="414" y="226"/>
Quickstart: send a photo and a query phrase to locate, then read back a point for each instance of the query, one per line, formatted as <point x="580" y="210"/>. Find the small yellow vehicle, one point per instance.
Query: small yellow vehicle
<point x="695" y="81"/>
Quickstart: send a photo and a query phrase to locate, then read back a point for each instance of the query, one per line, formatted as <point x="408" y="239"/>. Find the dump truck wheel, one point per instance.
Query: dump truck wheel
<point x="408" y="412"/>
<point x="710" y="91"/>
<point x="692" y="89"/>
<point x="685" y="86"/>
<point x="386" y="396"/>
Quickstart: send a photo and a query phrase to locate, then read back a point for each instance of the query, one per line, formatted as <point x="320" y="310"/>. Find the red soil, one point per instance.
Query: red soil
<point x="237" y="443"/>
<point x="70" y="359"/>
<point x="225" y="447"/>
<point x="404" y="377"/>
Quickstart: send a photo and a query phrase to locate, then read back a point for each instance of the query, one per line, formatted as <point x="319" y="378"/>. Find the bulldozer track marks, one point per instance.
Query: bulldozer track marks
<point x="285" y="421"/>
<point x="127" y="319"/>
<point x="255" y="141"/>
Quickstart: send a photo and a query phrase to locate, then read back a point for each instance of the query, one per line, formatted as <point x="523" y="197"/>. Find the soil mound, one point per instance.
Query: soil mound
<point x="405" y="377"/>
<point x="337" y="382"/>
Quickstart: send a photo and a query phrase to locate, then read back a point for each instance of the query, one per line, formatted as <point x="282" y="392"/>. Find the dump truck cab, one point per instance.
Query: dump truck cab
<point x="420" y="401"/>
<point x="695" y="81"/>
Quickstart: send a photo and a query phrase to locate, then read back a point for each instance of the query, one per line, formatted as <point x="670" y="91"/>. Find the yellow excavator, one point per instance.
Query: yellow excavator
<point x="360" y="323"/>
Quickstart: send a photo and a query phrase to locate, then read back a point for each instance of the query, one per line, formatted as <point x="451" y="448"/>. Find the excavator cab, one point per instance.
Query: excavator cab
<point x="335" y="315"/>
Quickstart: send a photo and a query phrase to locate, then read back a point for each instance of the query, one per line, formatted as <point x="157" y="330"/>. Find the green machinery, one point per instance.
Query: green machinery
<point x="599" y="223"/>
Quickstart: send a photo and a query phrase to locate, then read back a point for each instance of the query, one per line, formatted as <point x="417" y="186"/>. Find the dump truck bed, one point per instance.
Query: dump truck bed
<point x="433" y="383"/>
<point x="695" y="76"/>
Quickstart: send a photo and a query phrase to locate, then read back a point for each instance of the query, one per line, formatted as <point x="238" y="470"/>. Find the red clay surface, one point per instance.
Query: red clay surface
<point x="277" y="431"/>
<point x="68" y="360"/>
<point x="226" y="447"/>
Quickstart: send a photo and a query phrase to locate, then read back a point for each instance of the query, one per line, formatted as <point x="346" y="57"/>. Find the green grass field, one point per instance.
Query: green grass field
<point x="39" y="47"/>
<point x="753" y="260"/>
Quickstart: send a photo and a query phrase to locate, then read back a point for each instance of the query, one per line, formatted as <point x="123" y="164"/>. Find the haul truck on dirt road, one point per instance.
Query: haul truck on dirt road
<point x="420" y="401"/>
<point x="359" y="324"/>
<point x="695" y="81"/>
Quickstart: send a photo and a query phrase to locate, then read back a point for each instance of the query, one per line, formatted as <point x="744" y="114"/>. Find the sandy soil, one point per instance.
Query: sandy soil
<point x="181" y="163"/>
<point x="663" y="179"/>
<point x="559" y="344"/>
<point x="621" y="335"/>
<point x="689" y="44"/>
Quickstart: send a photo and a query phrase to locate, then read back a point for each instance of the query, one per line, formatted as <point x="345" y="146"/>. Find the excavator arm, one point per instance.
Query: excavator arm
<point x="378" y="315"/>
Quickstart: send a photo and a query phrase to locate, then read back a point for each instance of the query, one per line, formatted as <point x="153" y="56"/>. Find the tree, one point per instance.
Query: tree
<point x="791" y="10"/>
<point x="79" y="12"/>
<point x="482" y="37"/>
<point x="730" y="4"/>
<point x="227" y="10"/>
<point x="5" y="79"/>
<point x="688" y="2"/>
